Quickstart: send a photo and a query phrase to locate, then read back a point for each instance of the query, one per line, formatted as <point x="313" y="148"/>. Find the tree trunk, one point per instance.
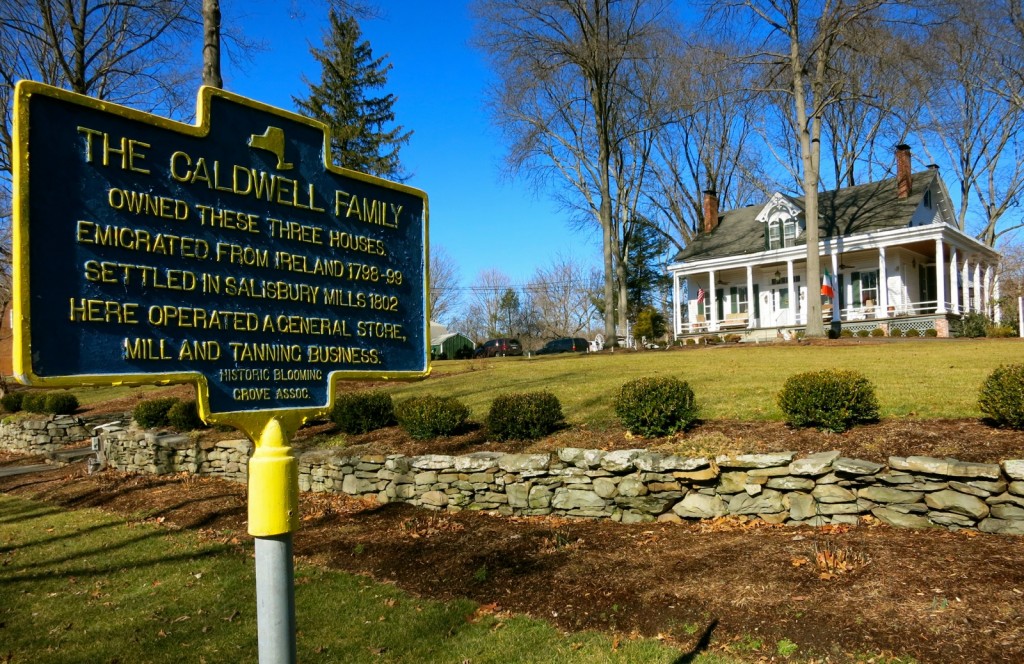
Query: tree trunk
<point x="809" y="130"/>
<point x="211" y="44"/>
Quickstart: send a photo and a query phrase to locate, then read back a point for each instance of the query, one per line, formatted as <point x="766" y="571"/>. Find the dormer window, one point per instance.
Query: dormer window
<point x="781" y="220"/>
<point x="783" y="231"/>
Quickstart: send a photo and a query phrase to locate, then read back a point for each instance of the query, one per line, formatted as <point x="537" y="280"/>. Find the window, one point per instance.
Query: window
<point x="738" y="302"/>
<point x="783" y="230"/>
<point x="774" y="235"/>
<point x="865" y="288"/>
<point x="789" y="232"/>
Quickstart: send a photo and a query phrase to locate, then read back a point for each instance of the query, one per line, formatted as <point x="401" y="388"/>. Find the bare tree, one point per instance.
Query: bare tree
<point x="795" y="43"/>
<point x="567" y="96"/>
<point x="482" y="318"/>
<point x="1011" y="284"/>
<point x="211" y="44"/>
<point x="875" y="104"/>
<point x="562" y="295"/>
<point x="708" y="142"/>
<point x="973" y="117"/>
<point x="444" y="285"/>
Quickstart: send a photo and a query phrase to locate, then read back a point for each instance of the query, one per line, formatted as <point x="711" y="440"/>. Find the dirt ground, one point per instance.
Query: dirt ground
<point x="838" y="593"/>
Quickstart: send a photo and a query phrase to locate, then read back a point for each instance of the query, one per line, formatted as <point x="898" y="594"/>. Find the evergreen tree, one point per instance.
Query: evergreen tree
<point x="645" y="270"/>
<point x="343" y="101"/>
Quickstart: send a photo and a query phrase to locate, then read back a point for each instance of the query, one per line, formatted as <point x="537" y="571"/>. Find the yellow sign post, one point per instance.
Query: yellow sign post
<point x="231" y="254"/>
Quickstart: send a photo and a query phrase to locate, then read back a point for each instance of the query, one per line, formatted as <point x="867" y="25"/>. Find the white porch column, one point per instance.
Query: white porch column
<point x="677" y="308"/>
<point x="954" y="292"/>
<point x="979" y="305"/>
<point x="997" y="311"/>
<point x="794" y="296"/>
<point x="987" y="292"/>
<point x="940" y="277"/>
<point x="750" y="296"/>
<point x="712" y="316"/>
<point x="883" y="286"/>
<point x="837" y="297"/>
<point x="965" y="275"/>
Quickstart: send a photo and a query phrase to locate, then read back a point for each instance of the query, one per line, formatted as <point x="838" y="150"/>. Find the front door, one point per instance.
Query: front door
<point x="775" y="306"/>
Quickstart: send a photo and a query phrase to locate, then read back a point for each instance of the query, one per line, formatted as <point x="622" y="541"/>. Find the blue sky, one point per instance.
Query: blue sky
<point x="477" y="214"/>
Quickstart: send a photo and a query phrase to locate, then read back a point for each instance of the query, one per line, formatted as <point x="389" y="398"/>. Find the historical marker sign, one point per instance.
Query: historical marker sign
<point x="228" y="253"/>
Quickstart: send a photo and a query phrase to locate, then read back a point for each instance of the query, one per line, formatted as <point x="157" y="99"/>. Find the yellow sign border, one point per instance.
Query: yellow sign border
<point x="253" y="423"/>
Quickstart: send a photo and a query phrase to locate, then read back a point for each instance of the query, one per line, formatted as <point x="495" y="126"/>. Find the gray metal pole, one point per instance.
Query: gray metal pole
<point x="275" y="599"/>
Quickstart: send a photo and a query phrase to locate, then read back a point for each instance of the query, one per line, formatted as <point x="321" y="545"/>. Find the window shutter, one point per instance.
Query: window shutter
<point x="855" y="280"/>
<point x="720" y="303"/>
<point x="757" y="302"/>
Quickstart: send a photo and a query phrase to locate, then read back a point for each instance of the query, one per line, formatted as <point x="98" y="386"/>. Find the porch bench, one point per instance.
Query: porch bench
<point x="733" y="321"/>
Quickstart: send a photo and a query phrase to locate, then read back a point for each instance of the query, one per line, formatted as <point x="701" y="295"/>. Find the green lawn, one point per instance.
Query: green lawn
<point x="925" y="378"/>
<point x="82" y="587"/>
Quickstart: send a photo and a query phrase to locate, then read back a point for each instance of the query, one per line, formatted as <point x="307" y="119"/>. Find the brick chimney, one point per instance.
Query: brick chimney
<point x="710" y="209"/>
<point x="903" y="169"/>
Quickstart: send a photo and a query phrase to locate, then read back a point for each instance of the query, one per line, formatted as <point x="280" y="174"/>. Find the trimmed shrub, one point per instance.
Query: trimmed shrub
<point x="1002" y="396"/>
<point x="34" y="402"/>
<point x="361" y="412"/>
<point x="971" y="325"/>
<point x="431" y="416"/>
<point x="152" y="413"/>
<point x="830" y="400"/>
<point x="524" y="416"/>
<point x="1000" y="331"/>
<point x="931" y="332"/>
<point x="846" y="334"/>
<point x="60" y="403"/>
<point x="12" y="401"/>
<point x="184" y="416"/>
<point x="912" y="333"/>
<point x="657" y="406"/>
<point x="878" y="332"/>
<point x="862" y="333"/>
<point x="733" y="338"/>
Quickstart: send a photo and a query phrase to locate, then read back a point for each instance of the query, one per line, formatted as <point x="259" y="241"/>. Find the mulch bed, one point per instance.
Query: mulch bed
<point x="840" y="593"/>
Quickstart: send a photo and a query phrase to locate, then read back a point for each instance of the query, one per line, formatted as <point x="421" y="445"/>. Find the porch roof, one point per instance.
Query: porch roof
<point x="868" y="207"/>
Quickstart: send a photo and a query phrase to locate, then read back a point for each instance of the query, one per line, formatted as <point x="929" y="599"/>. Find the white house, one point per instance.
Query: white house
<point x="891" y="256"/>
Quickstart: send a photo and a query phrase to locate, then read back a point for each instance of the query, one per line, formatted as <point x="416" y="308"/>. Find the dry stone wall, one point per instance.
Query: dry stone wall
<point x="42" y="435"/>
<point x="630" y="486"/>
<point x="634" y="486"/>
<point x="135" y="451"/>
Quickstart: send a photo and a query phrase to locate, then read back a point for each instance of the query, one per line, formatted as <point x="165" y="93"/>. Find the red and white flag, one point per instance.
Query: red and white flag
<point x="700" y="294"/>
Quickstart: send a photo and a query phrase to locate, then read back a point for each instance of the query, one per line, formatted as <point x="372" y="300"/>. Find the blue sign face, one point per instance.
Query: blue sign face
<point x="227" y="251"/>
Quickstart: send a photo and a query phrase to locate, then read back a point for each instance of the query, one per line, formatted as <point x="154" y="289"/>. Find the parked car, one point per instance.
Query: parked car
<point x="499" y="348"/>
<point x="565" y="345"/>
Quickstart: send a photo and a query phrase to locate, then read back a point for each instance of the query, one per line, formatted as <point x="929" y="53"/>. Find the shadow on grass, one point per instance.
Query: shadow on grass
<point x="12" y="516"/>
<point x="82" y="554"/>
<point x="701" y="646"/>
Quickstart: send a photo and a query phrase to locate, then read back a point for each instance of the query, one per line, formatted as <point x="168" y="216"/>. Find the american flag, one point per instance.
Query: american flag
<point x="700" y="294"/>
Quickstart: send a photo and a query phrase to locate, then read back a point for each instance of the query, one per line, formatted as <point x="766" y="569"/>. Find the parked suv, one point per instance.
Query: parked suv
<point x="566" y="345"/>
<point x="499" y="348"/>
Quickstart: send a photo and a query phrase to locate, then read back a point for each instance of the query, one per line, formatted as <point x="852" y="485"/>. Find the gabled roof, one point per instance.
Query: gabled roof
<point x="868" y="207"/>
<point x="440" y="339"/>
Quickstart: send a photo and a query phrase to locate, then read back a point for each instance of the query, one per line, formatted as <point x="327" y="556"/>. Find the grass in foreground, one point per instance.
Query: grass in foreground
<point x="83" y="586"/>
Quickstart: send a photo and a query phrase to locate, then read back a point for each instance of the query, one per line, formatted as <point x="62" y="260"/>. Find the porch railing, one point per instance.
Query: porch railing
<point x="854" y="314"/>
